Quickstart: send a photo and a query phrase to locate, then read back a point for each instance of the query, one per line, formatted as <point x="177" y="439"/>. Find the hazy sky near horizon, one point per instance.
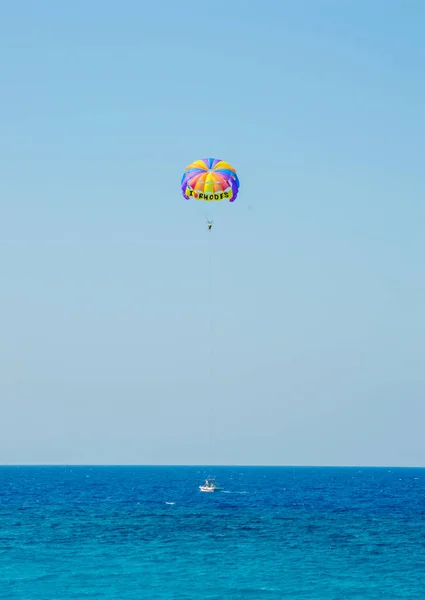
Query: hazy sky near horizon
<point x="318" y="295"/>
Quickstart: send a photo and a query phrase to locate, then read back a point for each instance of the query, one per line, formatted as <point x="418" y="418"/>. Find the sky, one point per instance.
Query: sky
<point x="317" y="275"/>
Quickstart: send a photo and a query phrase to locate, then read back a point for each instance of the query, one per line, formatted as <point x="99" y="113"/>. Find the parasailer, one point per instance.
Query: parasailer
<point x="210" y="180"/>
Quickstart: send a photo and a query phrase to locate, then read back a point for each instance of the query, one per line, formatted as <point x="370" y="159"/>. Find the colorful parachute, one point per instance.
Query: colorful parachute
<point x="210" y="179"/>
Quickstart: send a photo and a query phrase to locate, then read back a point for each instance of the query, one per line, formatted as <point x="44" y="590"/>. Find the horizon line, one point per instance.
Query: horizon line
<point x="206" y="466"/>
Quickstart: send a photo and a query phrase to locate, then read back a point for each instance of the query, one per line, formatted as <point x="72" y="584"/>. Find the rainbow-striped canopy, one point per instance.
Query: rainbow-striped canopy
<point x="210" y="179"/>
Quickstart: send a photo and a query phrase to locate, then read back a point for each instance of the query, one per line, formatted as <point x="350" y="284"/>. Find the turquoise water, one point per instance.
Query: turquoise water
<point x="147" y="532"/>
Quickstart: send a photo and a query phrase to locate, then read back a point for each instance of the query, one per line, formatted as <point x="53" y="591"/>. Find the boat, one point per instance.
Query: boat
<point x="210" y="486"/>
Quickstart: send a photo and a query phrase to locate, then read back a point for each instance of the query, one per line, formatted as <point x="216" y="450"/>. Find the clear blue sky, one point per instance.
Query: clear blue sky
<point x="318" y="269"/>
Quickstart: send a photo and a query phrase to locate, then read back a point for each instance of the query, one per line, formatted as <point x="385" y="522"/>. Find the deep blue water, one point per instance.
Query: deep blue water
<point x="147" y="532"/>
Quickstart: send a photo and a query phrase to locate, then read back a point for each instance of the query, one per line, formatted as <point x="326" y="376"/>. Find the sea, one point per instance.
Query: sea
<point x="136" y="533"/>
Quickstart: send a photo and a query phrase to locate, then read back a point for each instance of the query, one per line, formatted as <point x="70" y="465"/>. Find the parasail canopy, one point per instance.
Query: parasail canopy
<point x="210" y="179"/>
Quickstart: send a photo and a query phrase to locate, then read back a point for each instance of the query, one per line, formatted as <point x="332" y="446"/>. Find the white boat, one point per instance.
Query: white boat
<point x="210" y="486"/>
